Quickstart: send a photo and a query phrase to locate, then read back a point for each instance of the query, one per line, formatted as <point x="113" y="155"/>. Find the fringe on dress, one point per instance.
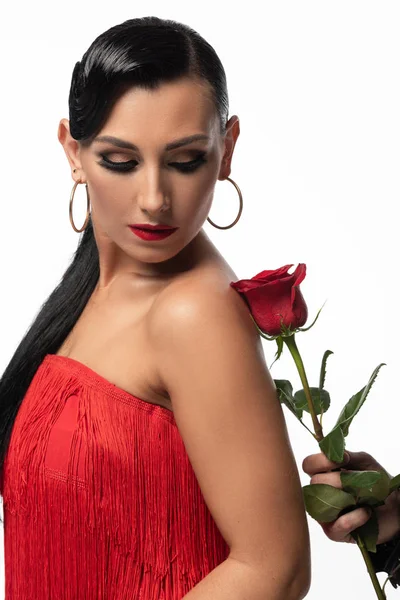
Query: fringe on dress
<point x="100" y="500"/>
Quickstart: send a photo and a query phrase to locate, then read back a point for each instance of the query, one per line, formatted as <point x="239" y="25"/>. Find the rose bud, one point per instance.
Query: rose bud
<point x="274" y="297"/>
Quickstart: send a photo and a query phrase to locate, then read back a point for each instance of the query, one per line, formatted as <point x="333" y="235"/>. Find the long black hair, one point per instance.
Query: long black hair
<point x="143" y="52"/>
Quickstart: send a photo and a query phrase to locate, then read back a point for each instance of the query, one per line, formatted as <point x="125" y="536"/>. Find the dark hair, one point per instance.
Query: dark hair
<point x="141" y="52"/>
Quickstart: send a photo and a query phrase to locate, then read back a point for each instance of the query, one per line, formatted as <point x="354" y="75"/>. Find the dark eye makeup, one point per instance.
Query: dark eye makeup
<point x="123" y="167"/>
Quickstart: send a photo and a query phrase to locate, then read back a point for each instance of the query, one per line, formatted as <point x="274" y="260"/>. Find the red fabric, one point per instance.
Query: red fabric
<point x="100" y="500"/>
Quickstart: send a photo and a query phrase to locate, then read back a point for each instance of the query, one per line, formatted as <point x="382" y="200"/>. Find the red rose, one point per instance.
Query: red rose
<point x="272" y="295"/>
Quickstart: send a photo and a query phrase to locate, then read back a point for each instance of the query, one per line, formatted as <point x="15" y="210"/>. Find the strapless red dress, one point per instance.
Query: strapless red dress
<point x="100" y="500"/>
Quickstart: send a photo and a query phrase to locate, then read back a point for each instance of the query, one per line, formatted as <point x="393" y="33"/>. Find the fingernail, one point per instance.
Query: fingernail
<point x="346" y="458"/>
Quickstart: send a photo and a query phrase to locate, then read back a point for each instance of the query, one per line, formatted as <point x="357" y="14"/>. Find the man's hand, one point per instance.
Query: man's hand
<point x="319" y="467"/>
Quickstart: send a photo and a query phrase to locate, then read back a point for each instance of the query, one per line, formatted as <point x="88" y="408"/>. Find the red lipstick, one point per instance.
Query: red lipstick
<point x="152" y="232"/>
<point x="152" y="227"/>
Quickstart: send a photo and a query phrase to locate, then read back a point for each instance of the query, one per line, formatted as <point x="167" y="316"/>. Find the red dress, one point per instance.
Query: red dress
<point x="100" y="500"/>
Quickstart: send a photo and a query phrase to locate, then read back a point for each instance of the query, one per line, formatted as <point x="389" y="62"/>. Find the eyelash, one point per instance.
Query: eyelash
<point x="124" y="167"/>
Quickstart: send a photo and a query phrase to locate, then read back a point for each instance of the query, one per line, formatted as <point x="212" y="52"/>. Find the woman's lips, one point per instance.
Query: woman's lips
<point x="152" y="235"/>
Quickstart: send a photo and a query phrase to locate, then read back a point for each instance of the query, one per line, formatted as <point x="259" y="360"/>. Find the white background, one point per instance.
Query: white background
<point x="316" y="87"/>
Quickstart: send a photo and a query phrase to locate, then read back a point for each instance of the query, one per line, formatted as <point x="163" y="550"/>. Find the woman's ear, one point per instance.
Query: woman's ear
<point x="71" y="149"/>
<point x="231" y="136"/>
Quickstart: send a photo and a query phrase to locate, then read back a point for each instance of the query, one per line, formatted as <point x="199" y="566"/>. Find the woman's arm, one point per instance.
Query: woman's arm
<point x="235" y="580"/>
<point x="211" y="361"/>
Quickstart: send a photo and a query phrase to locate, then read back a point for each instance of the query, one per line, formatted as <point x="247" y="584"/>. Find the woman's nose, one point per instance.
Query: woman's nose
<point x="152" y="197"/>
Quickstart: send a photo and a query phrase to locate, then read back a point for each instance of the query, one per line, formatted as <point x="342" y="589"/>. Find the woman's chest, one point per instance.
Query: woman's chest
<point x="111" y="338"/>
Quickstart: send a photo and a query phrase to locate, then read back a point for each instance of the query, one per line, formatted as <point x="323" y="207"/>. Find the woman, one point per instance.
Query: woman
<point x="149" y="458"/>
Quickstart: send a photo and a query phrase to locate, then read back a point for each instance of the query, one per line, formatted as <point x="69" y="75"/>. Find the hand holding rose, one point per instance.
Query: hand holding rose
<point x="322" y="470"/>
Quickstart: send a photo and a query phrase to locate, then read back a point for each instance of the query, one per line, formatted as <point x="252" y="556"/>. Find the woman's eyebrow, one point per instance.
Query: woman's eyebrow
<point x="171" y="146"/>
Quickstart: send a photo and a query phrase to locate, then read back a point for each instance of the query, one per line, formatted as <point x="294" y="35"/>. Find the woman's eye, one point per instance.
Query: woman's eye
<point x="117" y="166"/>
<point x="184" y="167"/>
<point x="191" y="165"/>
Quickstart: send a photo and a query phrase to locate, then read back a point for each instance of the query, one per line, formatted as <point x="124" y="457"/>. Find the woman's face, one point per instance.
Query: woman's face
<point x="133" y="177"/>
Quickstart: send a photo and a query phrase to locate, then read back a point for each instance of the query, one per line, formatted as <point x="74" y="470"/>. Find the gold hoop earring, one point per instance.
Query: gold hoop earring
<point x="87" y="207"/>
<point x="240" y="209"/>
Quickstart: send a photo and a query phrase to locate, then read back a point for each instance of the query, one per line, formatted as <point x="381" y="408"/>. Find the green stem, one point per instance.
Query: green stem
<point x="291" y="344"/>
<point x="308" y="429"/>
<point x="380" y="594"/>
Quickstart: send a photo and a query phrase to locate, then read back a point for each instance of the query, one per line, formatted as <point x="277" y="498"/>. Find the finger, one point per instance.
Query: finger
<point x="331" y="478"/>
<point x="317" y="463"/>
<point x="340" y="529"/>
<point x="362" y="461"/>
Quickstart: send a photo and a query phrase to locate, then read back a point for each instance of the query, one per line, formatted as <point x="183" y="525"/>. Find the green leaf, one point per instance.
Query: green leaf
<point x="359" y="479"/>
<point x="369" y="532"/>
<point x="319" y="397"/>
<point x="285" y="386"/>
<point x="285" y="394"/>
<point x="352" y="407"/>
<point x="332" y="445"/>
<point x="313" y="323"/>
<point x="377" y="490"/>
<point x="395" y="483"/>
<point x="323" y="369"/>
<point x="279" y="342"/>
<point x="324" y="502"/>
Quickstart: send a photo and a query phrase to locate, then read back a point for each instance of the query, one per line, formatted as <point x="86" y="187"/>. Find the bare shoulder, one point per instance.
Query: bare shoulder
<point x="202" y="299"/>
